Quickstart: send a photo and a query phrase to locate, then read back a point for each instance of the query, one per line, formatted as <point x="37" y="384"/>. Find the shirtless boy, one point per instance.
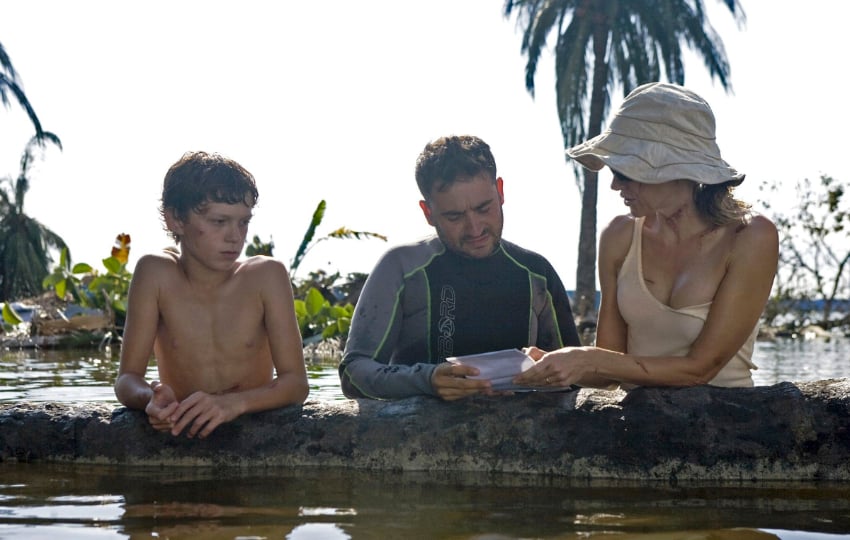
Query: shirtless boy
<point x="223" y="330"/>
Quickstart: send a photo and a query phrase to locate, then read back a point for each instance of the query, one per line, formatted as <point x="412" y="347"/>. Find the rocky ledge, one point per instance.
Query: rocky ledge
<point x="789" y="431"/>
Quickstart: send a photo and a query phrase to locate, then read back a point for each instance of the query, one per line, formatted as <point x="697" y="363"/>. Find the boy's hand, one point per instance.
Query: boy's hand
<point x="202" y="413"/>
<point x="161" y="406"/>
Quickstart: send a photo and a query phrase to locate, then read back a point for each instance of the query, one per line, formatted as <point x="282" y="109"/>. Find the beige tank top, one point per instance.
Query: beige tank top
<point x="655" y="329"/>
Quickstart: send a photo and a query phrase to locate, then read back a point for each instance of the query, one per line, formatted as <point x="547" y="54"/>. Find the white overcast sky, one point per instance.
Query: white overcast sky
<point x="334" y="100"/>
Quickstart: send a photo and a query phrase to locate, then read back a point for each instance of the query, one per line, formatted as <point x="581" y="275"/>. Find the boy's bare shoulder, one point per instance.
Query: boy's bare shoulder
<point x="263" y="268"/>
<point x="159" y="260"/>
<point x="260" y="262"/>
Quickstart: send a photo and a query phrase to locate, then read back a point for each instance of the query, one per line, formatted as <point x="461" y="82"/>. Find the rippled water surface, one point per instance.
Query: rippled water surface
<point x="52" y="502"/>
<point x="72" y="376"/>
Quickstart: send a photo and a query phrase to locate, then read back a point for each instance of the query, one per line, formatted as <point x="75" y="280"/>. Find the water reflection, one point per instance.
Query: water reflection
<point x="204" y="503"/>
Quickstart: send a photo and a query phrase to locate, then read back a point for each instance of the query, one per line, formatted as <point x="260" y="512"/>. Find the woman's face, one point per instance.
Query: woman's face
<point x="631" y="192"/>
<point x="645" y="199"/>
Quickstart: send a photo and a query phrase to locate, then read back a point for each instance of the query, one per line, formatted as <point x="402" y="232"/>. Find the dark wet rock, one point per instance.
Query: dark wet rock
<point x="788" y="431"/>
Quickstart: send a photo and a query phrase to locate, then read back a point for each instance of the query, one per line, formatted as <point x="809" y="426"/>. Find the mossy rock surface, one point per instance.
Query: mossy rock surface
<point x="788" y="431"/>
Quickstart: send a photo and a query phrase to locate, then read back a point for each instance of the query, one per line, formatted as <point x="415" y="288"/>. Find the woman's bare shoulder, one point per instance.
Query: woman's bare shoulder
<point x="758" y="229"/>
<point x="617" y="235"/>
<point x="756" y="242"/>
<point x="620" y="225"/>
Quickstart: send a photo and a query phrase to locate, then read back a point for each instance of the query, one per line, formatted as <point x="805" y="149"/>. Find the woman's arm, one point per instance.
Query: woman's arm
<point x="735" y="311"/>
<point x="614" y="243"/>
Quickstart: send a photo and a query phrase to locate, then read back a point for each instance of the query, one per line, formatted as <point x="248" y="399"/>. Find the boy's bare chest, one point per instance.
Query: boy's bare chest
<point x="220" y="320"/>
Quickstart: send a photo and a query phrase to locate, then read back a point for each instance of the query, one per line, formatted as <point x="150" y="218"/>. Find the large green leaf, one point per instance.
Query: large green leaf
<point x="10" y="315"/>
<point x="61" y="287"/>
<point x="314" y="301"/>
<point x="112" y="264"/>
<point x="318" y="215"/>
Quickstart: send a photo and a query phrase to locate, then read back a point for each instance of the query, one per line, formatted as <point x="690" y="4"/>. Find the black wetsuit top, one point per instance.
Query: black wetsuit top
<point x="423" y="303"/>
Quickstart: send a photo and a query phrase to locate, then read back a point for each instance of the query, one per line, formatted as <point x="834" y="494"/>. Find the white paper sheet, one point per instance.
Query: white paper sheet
<point x="500" y="367"/>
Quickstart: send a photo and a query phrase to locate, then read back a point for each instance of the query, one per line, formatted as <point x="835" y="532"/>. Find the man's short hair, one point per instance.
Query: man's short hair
<point x="448" y="159"/>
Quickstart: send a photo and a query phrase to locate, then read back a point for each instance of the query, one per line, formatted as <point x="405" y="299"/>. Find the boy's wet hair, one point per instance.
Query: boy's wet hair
<point x="449" y="158"/>
<point x="199" y="178"/>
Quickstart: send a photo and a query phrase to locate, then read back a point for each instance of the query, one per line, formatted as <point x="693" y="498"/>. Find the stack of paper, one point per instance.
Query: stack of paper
<point x="499" y="367"/>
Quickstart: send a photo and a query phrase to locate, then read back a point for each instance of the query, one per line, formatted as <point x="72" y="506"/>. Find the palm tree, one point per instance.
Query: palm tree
<point x="24" y="241"/>
<point x="629" y="42"/>
<point x="9" y="83"/>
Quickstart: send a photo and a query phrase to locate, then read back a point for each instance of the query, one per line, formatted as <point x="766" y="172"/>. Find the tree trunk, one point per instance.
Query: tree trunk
<point x="585" y="305"/>
<point x="585" y="299"/>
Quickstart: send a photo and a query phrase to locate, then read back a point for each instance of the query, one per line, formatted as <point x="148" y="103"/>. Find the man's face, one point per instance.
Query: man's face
<point x="468" y="215"/>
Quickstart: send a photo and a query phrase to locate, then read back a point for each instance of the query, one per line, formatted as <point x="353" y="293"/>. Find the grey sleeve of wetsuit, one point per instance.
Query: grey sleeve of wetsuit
<point x="365" y="370"/>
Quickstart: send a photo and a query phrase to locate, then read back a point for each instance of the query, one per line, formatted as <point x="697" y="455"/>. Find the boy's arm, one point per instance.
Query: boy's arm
<point x="131" y="388"/>
<point x="290" y="383"/>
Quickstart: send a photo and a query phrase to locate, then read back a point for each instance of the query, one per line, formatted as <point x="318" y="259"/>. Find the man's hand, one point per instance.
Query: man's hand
<point x="202" y="413"/>
<point x="449" y="382"/>
<point x="162" y="404"/>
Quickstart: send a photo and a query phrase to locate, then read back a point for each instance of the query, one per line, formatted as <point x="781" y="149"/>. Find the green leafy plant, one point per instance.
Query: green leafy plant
<point x="324" y="303"/>
<point x="65" y="280"/>
<point x="10" y="316"/>
<point x="318" y="318"/>
<point x="258" y="247"/>
<point x="85" y="285"/>
<point x="113" y="286"/>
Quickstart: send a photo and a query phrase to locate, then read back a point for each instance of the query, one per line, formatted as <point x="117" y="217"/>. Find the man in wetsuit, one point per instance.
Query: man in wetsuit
<point x="465" y="291"/>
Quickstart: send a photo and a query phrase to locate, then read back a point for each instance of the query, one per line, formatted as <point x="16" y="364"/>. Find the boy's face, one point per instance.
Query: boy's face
<point x="215" y="235"/>
<point x="468" y="215"/>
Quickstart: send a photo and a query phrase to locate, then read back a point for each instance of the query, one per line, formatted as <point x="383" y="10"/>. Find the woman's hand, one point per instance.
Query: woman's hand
<point x="556" y="369"/>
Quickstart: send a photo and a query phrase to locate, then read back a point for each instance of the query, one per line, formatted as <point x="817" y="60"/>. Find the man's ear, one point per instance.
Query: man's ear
<point x="173" y="222"/>
<point x="427" y="211"/>
<point x="500" y="187"/>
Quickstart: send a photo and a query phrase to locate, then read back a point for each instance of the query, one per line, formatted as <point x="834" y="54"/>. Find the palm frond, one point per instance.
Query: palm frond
<point x="346" y="233"/>
<point x="11" y="85"/>
<point x="318" y="215"/>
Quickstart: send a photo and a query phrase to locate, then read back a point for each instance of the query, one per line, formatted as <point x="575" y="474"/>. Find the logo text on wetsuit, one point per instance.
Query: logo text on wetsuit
<point x="446" y="325"/>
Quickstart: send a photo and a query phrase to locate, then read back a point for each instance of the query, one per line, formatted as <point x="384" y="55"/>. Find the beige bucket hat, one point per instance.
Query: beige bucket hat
<point x="661" y="132"/>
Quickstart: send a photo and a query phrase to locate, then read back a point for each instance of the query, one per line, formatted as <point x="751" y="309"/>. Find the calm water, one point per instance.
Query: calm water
<point x="73" y="376"/>
<point x="51" y="501"/>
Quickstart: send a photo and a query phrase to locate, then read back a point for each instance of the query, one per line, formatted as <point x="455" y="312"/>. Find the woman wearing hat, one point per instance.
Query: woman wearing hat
<point x="686" y="276"/>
